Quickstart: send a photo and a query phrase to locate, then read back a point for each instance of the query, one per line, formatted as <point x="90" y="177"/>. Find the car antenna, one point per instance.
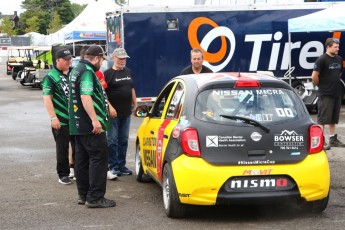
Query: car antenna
<point x="239" y="72"/>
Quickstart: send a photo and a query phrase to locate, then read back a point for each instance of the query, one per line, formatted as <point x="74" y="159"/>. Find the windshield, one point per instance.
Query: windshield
<point x="265" y="105"/>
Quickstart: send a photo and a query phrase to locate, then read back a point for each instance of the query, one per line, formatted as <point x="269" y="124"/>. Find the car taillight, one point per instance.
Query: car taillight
<point x="190" y="142"/>
<point x="247" y="84"/>
<point x="316" y="139"/>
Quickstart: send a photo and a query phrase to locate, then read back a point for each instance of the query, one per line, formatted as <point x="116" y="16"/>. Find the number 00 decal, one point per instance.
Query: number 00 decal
<point x="286" y="112"/>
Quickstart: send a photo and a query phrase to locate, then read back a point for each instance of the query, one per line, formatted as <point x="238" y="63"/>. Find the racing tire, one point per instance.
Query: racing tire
<point x="172" y="205"/>
<point x="14" y="75"/>
<point x="140" y="176"/>
<point x="139" y="171"/>
<point x="317" y="206"/>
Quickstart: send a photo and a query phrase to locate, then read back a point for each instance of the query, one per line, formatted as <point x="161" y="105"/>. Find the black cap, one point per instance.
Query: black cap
<point x="63" y="53"/>
<point x="96" y="50"/>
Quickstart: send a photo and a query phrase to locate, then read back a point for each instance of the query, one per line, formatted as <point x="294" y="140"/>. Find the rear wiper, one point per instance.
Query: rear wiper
<point x="248" y="121"/>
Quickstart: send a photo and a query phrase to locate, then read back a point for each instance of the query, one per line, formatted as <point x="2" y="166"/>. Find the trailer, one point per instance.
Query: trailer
<point x="244" y="38"/>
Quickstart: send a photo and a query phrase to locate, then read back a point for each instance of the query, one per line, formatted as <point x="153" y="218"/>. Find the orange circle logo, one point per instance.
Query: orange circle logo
<point x="194" y="42"/>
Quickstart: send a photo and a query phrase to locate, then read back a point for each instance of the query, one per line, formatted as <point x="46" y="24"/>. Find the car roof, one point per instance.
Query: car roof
<point x="206" y="79"/>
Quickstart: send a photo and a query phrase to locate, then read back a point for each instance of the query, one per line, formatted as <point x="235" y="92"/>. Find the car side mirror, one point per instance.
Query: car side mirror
<point x="142" y="111"/>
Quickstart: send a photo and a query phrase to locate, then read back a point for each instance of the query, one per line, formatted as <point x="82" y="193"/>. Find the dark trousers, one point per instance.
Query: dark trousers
<point x="91" y="165"/>
<point x="61" y="137"/>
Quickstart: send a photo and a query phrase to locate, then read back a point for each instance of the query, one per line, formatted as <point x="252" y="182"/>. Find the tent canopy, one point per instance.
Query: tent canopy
<point x="330" y="19"/>
<point x="88" y="25"/>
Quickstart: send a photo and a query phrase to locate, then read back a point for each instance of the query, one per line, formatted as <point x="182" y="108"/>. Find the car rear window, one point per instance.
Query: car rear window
<point x="266" y="105"/>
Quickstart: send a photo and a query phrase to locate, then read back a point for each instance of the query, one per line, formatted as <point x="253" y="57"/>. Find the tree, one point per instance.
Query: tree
<point x="77" y="9"/>
<point x="32" y="24"/>
<point x="45" y="11"/>
<point x="55" y="24"/>
<point x="7" y="26"/>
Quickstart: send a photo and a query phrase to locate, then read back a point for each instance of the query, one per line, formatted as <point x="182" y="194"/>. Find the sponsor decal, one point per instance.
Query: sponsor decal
<point x="211" y="141"/>
<point x="183" y="195"/>
<point x="256" y="136"/>
<point x="288" y="140"/>
<point x="225" y="141"/>
<point x="149" y="141"/>
<point x="254" y="172"/>
<point x="75" y="108"/>
<point x="149" y="157"/>
<point x="159" y="149"/>
<point x="256" y="162"/>
<point x="86" y="86"/>
<point x="260" y="183"/>
<point x="235" y="92"/>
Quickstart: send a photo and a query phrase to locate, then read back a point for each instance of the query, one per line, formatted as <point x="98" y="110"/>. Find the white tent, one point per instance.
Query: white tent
<point x="330" y="19"/>
<point x="327" y="20"/>
<point x="88" y="25"/>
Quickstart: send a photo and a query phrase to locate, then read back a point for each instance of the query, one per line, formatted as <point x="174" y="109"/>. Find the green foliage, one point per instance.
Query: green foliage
<point x="32" y="24"/>
<point x="77" y="9"/>
<point x="45" y="10"/>
<point x="55" y="24"/>
<point x="7" y="26"/>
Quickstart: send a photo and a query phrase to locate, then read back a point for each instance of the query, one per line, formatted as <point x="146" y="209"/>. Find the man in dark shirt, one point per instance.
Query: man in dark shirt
<point x="122" y="97"/>
<point x="196" y="58"/>
<point x="326" y="75"/>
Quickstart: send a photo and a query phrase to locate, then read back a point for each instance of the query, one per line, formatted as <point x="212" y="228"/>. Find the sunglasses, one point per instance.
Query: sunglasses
<point x="330" y="41"/>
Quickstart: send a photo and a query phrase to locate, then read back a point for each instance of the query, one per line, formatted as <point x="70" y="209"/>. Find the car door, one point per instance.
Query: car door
<point x="164" y="116"/>
<point x="153" y="129"/>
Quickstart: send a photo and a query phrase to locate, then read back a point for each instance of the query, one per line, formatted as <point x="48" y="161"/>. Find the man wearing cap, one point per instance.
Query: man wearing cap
<point x="88" y="123"/>
<point x="122" y="97"/>
<point x="55" y="97"/>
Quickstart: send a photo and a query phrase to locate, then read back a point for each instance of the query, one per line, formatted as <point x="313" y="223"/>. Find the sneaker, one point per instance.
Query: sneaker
<point x="335" y="142"/>
<point x="65" y="180"/>
<point x="116" y="172"/>
<point x="111" y="176"/>
<point x="326" y="146"/>
<point x="101" y="203"/>
<point x="125" y="171"/>
<point x="81" y="199"/>
<point x="71" y="174"/>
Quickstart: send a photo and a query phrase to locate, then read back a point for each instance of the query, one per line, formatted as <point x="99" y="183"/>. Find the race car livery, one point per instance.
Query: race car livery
<point x="226" y="138"/>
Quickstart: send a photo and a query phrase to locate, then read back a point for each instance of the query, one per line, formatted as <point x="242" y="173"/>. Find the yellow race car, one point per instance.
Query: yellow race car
<point x="231" y="138"/>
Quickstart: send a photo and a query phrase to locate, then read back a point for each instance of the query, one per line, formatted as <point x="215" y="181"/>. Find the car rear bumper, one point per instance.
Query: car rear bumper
<point x="200" y="183"/>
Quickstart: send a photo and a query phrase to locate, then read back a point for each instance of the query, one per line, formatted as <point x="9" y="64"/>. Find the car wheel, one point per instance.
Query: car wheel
<point x="139" y="171"/>
<point x="14" y="74"/>
<point x="317" y="206"/>
<point x="140" y="176"/>
<point x="172" y="206"/>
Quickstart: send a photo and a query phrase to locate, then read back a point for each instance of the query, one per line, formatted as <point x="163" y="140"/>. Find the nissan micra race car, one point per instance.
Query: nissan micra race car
<point x="231" y="138"/>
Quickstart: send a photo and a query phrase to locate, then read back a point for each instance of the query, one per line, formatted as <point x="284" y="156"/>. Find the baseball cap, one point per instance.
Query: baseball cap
<point x="120" y="53"/>
<point x="96" y="50"/>
<point x="64" y="54"/>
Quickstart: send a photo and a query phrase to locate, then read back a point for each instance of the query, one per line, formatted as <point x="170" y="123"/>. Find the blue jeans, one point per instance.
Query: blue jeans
<point x="117" y="137"/>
